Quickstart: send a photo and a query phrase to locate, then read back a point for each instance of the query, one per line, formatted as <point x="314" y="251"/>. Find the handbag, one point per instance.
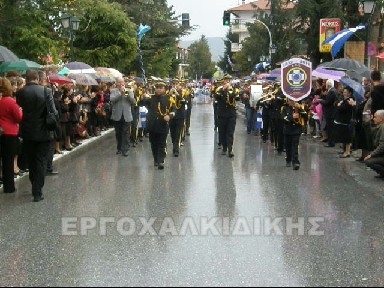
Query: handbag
<point x="50" y="120"/>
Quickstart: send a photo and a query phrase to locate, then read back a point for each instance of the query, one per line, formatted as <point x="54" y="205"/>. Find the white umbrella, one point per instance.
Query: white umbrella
<point x="115" y="73"/>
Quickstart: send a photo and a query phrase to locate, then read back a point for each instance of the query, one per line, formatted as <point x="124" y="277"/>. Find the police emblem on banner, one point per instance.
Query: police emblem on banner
<point x="296" y="77"/>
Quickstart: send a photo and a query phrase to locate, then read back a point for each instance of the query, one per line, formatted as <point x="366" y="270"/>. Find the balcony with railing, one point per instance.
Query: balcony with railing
<point x="239" y="27"/>
<point x="236" y="47"/>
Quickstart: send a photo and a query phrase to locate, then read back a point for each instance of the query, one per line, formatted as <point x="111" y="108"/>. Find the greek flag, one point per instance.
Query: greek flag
<point x="338" y="40"/>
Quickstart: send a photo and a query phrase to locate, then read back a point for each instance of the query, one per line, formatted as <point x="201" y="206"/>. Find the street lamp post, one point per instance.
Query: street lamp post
<point x="369" y="7"/>
<point x="72" y="23"/>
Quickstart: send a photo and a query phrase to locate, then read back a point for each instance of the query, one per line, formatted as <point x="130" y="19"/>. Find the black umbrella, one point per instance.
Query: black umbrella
<point x="352" y="68"/>
<point x="7" y="55"/>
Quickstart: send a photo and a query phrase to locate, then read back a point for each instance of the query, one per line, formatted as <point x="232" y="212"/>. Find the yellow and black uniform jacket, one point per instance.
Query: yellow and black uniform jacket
<point x="293" y="126"/>
<point x="179" y="102"/>
<point x="227" y="101"/>
<point x="158" y="107"/>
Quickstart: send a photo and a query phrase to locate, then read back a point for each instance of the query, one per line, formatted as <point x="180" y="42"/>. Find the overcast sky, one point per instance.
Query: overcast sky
<point x="207" y="14"/>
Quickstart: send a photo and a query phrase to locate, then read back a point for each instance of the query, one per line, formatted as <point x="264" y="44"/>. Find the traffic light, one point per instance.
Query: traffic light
<point x="185" y="20"/>
<point x="227" y="18"/>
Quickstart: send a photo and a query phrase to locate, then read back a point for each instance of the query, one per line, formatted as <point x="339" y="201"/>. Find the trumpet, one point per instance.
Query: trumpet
<point x="267" y="98"/>
<point x="173" y="92"/>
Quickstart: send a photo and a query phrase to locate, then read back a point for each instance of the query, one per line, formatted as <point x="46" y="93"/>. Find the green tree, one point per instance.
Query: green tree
<point x="28" y="27"/>
<point x="107" y="37"/>
<point x="200" y="59"/>
<point x="159" y="46"/>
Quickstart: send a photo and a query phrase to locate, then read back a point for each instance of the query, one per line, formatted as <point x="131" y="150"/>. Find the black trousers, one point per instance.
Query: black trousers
<point x="280" y="135"/>
<point x="176" y="127"/>
<point x="273" y="124"/>
<point x="122" y="135"/>
<point x="188" y="118"/>
<point x="376" y="164"/>
<point x="51" y="154"/>
<point x="135" y="125"/>
<point x="215" y="116"/>
<point x="292" y="146"/>
<point x="8" y="153"/>
<point x="158" y="145"/>
<point x="266" y="122"/>
<point x="37" y="153"/>
<point x="227" y="128"/>
<point x="331" y="131"/>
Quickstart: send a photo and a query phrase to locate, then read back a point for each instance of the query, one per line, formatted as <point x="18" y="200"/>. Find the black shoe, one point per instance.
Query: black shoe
<point x="119" y="152"/>
<point x="176" y="154"/>
<point x="296" y="167"/>
<point x="156" y="164"/>
<point x="230" y="153"/>
<point x="188" y="133"/>
<point x="10" y="192"/>
<point x="345" y="156"/>
<point x="161" y="166"/>
<point x="52" y="173"/>
<point x="38" y="198"/>
<point x="220" y="147"/>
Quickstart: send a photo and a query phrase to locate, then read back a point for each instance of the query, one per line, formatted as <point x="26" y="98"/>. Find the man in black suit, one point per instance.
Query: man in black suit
<point x="33" y="127"/>
<point x="52" y="143"/>
<point x="330" y="111"/>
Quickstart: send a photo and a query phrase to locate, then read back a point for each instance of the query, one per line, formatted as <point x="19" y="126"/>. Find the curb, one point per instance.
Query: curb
<point x="21" y="180"/>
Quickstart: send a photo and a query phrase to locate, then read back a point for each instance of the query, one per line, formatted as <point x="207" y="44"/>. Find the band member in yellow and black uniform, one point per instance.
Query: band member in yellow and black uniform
<point x="214" y="87"/>
<point x="293" y="114"/>
<point x="137" y="89"/>
<point x="176" y="125"/>
<point x="161" y="111"/>
<point x="277" y="105"/>
<point x="227" y="96"/>
<point x="189" y="101"/>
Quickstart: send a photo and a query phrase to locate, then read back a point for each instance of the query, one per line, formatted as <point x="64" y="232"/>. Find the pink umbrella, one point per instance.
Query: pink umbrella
<point x="263" y="76"/>
<point x="60" y="80"/>
<point x="380" y="56"/>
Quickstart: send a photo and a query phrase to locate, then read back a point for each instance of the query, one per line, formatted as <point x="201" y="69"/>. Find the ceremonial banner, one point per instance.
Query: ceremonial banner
<point x="328" y="28"/>
<point x="256" y="94"/>
<point x="296" y="77"/>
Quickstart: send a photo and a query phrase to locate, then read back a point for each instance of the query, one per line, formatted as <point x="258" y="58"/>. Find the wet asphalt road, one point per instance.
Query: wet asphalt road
<point x="247" y="194"/>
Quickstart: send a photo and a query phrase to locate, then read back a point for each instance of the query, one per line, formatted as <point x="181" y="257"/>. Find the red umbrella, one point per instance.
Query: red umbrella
<point x="60" y="80"/>
<point x="380" y="56"/>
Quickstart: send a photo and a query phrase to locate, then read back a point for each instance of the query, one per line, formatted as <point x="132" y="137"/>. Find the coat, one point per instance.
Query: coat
<point x="122" y="105"/>
<point x="32" y="100"/>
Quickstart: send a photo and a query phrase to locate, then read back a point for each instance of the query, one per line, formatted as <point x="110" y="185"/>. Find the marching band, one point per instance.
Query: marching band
<point x="169" y="108"/>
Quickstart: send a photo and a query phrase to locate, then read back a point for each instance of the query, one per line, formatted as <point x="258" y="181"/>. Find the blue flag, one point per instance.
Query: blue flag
<point x="143" y="29"/>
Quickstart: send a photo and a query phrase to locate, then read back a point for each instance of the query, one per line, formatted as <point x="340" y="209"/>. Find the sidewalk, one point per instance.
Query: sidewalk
<point x="68" y="154"/>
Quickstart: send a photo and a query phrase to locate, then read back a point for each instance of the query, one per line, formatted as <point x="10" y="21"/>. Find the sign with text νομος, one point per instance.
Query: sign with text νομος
<point x="296" y="78"/>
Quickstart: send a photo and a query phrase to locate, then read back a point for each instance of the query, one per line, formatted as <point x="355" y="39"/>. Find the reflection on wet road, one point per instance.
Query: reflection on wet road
<point x="207" y="220"/>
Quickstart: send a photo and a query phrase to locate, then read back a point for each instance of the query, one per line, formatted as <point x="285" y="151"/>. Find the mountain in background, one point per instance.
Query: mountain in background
<point x="216" y="46"/>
